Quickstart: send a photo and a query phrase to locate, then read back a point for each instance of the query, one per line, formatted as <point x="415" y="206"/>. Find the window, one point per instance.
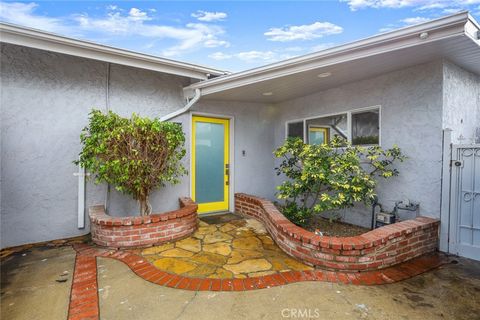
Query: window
<point x="365" y="127"/>
<point x="358" y="127"/>
<point x="318" y="135"/>
<point x="323" y="129"/>
<point x="295" y="130"/>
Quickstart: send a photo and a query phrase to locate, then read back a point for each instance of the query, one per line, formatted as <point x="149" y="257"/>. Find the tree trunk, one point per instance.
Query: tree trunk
<point x="145" y="207"/>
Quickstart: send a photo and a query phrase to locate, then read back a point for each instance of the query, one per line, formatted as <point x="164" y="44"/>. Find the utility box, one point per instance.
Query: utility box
<point x="384" y="218"/>
<point x="406" y="210"/>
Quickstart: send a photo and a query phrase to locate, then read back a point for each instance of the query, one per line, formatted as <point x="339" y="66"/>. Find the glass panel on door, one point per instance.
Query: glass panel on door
<point x="210" y="156"/>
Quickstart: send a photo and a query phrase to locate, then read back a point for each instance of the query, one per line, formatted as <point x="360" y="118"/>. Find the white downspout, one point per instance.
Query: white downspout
<point x="82" y="174"/>
<point x="81" y="197"/>
<point x="187" y="107"/>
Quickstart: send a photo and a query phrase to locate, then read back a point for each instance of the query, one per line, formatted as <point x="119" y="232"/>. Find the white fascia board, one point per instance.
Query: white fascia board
<point x="442" y="28"/>
<point x="50" y="42"/>
<point x="472" y="29"/>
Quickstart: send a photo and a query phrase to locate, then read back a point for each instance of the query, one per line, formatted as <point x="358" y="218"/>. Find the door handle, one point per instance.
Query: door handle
<point x="227" y="173"/>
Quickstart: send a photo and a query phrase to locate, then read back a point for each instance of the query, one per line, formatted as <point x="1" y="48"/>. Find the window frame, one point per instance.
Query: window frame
<point x="349" y="114"/>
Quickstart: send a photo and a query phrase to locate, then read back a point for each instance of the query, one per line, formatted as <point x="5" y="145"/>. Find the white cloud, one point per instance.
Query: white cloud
<point x="404" y="23"/>
<point x="138" y="15"/>
<point x="209" y="16"/>
<point x="118" y="23"/>
<point x="190" y="37"/>
<point x="451" y="10"/>
<point x="254" y="56"/>
<point x="322" y="46"/>
<point x="419" y="4"/>
<point x="220" y="56"/>
<point x="215" y="43"/>
<point x="22" y="13"/>
<point x="414" y="20"/>
<point x="303" y="32"/>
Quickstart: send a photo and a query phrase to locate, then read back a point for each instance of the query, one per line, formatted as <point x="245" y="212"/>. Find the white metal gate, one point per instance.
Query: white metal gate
<point x="464" y="239"/>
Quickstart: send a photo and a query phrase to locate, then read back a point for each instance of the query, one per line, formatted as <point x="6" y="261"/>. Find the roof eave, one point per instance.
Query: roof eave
<point x="38" y="39"/>
<point x="453" y="25"/>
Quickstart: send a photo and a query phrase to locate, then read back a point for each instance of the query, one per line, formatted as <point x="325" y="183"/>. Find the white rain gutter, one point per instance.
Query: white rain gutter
<point x="187" y="107"/>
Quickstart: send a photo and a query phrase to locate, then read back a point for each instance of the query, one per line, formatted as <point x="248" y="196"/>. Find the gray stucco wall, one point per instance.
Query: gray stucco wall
<point x="411" y="117"/>
<point x="461" y="100"/>
<point x="45" y="101"/>
<point x="46" y="97"/>
<point x="149" y="94"/>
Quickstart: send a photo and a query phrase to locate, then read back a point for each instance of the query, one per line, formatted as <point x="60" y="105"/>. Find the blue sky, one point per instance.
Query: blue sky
<point x="234" y="35"/>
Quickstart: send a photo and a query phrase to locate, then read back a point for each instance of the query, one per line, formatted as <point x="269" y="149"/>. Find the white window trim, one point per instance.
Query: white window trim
<point x="349" y="122"/>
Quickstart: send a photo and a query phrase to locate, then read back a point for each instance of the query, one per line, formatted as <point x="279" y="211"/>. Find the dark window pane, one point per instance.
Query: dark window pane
<point x="365" y="128"/>
<point x="295" y="130"/>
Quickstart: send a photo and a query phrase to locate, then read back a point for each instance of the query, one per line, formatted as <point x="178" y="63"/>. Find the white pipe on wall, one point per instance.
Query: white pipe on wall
<point x="81" y="171"/>
<point x="187" y="107"/>
<point x="81" y="198"/>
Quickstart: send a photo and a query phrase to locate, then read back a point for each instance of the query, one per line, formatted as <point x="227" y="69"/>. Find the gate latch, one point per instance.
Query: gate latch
<point x="456" y="163"/>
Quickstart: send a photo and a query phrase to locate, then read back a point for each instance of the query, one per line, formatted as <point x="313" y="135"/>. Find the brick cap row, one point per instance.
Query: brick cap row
<point x="98" y="215"/>
<point x="369" y="239"/>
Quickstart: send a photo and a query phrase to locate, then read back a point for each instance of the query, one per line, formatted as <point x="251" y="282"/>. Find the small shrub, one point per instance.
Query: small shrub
<point x="134" y="155"/>
<point x="330" y="176"/>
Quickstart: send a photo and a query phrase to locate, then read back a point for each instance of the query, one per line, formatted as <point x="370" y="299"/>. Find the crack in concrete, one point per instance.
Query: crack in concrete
<point x="186" y="305"/>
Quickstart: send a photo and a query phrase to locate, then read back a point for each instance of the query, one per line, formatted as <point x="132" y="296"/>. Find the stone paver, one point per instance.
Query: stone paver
<point x="177" y="253"/>
<point x="238" y="248"/>
<point x="174" y="265"/>
<point x="190" y="244"/>
<point x="249" y="266"/>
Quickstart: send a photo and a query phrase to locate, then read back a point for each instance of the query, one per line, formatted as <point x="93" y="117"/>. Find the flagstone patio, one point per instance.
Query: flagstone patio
<point x="238" y="248"/>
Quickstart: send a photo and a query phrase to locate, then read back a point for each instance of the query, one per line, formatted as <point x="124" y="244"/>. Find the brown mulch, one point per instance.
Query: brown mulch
<point x="335" y="228"/>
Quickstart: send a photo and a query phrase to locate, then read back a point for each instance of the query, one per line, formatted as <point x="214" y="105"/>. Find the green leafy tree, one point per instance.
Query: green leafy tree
<point x="330" y="176"/>
<point x="135" y="155"/>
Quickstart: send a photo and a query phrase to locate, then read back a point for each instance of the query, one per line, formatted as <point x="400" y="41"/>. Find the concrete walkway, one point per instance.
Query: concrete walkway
<point x="30" y="290"/>
<point x="36" y="283"/>
<point x="449" y="292"/>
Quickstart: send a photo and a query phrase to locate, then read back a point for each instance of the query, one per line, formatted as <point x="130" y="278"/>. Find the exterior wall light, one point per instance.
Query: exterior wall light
<point x="324" y="75"/>
<point x="424" y="35"/>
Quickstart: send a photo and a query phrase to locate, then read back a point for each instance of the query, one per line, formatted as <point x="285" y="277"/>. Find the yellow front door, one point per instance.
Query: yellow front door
<point x="210" y="163"/>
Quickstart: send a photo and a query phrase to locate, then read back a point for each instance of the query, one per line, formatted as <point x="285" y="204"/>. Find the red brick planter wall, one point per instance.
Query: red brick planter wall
<point x="129" y="232"/>
<point x="376" y="249"/>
